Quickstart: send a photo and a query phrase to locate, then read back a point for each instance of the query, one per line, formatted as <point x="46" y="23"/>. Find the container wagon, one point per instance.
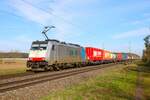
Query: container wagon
<point x="107" y="56"/>
<point x="119" y="57"/>
<point x="94" y="55"/>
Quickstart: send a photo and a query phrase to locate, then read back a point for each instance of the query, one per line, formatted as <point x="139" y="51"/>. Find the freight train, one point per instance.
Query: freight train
<point x="55" y="55"/>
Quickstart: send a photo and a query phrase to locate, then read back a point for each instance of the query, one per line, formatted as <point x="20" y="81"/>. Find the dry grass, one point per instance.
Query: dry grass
<point x="12" y="67"/>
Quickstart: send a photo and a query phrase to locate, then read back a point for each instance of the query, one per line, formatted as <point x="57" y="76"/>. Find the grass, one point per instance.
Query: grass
<point x="113" y="85"/>
<point x="12" y="68"/>
<point x="145" y="74"/>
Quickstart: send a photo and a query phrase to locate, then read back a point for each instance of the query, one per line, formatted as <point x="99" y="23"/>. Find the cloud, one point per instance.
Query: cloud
<point x="29" y="12"/>
<point x="133" y="33"/>
<point x="58" y="14"/>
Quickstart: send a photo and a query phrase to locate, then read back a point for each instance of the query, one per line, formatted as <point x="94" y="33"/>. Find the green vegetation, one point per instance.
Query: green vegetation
<point x="145" y="74"/>
<point x="118" y="84"/>
<point x="146" y="52"/>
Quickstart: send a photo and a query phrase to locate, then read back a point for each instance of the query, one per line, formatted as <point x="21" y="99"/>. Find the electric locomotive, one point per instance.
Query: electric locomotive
<point x="54" y="55"/>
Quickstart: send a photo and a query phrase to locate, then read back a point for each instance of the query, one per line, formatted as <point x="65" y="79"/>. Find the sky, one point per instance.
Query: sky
<point x="113" y="25"/>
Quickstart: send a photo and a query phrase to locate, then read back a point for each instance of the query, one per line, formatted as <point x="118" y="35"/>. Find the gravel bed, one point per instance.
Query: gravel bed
<point x="37" y="91"/>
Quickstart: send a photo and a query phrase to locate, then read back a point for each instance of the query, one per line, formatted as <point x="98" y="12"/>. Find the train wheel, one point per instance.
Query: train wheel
<point x="79" y="65"/>
<point x="56" y="68"/>
<point x="60" y="66"/>
<point x="75" y="65"/>
<point x="51" y="68"/>
<point x="46" y="68"/>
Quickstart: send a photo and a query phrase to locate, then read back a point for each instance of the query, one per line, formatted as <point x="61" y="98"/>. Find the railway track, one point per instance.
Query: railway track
<point x="29" y="81"/>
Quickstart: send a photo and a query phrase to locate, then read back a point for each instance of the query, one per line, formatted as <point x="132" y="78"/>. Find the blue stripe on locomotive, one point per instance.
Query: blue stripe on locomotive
<point x="83" y="55"/>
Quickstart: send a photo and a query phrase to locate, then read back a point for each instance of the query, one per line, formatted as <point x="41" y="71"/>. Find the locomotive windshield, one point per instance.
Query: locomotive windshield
<point x="39" y="46"/>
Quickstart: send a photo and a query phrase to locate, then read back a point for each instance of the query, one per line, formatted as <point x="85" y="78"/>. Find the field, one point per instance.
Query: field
<point x="121" y="84"/>
<point x="145" y="81"/>
<point x="12" y="66"/>
<point x="127" y="83"/>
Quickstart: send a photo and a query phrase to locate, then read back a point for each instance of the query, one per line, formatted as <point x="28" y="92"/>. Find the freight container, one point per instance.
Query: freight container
<point x="107" y="55"/>
<point x="94" y="54"/>
<point x="114" y="56"/>
<point x="111" y="55"/>
<point x="124" y="56"/>
<point x="83" y="55"/>
<point x="119" y="56"/>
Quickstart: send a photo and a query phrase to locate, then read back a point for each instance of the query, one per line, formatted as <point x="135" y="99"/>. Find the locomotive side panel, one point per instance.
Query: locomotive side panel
<point x="65" y="54"/>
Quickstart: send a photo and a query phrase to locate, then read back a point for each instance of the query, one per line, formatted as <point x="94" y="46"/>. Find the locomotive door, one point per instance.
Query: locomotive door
<point x="53" y="54"/>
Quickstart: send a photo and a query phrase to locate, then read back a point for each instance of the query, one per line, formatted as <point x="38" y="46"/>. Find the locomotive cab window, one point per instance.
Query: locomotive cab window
<point x="39" y="47"/>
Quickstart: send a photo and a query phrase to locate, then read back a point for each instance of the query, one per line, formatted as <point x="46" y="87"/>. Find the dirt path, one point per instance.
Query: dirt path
<point x="139" y="89"/>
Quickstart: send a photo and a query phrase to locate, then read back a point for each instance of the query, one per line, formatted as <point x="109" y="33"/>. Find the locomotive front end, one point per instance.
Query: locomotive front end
<point x="37" y="59"/>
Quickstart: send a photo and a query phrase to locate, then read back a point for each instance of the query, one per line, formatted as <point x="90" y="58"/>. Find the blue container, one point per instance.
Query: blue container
<point x="124" y="56"/>
<point x="83" y="55"/>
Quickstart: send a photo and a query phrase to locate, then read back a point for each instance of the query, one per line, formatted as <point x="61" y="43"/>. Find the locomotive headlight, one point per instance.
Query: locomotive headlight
<point x="29" y="59"/>
<point x="43" y="58"/>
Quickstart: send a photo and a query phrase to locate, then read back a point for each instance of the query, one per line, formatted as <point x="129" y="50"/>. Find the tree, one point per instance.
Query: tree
<point x="147" y="41"/>
<point x="146" y="52"/>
